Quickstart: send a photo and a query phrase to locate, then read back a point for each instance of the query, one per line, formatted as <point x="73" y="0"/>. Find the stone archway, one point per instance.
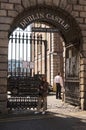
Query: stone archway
<point x="56" y="17"/>
<point x="70" y="32"/>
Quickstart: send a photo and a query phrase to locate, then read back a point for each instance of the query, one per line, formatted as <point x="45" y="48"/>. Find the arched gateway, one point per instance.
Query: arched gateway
<point x="70" y="32"/>
<point x="56" y="17"/>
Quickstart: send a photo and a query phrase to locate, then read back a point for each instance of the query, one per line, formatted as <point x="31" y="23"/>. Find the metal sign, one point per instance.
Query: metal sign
<point x="38" y="29"/>
<point x="31" y="65"/>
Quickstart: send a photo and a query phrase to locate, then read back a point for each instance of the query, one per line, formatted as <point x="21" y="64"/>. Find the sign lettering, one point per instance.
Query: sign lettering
<point x="44" y="16"/>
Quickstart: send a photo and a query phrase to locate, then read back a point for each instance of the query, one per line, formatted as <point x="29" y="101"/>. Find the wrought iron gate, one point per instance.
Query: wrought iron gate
<point x="23" y="92"/>
<point x="22" y="86"/>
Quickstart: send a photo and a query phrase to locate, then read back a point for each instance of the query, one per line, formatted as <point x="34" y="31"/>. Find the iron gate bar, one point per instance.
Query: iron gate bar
<point x="41" y="51"/>
<point x="23" y="51"/>
<point x="19" y="55"/>
<point x="37" y="52"/>
<point x="45" y="44"/>
<point x="11" y="55"/>
<point x="34" y="46"/>
<point x="15" y="53"/>
<point x="26" y="52"/>
<point x="30" y="52"/>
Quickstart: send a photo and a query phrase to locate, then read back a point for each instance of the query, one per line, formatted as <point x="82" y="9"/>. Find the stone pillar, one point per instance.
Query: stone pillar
<point x="83" y="80"/>
<point x="3" y="71"/>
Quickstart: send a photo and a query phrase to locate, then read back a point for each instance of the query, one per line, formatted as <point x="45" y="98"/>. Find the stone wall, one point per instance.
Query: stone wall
<point x="9" y="10"/>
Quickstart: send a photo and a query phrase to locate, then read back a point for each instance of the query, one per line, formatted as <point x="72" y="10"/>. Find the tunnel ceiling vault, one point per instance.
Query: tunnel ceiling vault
<point x="57" y="17"/>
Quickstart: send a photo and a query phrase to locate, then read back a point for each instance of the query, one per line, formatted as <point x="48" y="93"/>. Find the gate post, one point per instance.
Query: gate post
<point x="3" y="73"/>
<point x="83" y="80"/>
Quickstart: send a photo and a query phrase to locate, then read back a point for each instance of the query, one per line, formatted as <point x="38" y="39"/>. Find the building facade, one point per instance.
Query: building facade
<point x="49" y="58"/>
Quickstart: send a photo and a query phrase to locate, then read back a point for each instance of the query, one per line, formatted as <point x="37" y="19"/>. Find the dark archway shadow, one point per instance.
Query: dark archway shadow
<point x="50" y="121"/>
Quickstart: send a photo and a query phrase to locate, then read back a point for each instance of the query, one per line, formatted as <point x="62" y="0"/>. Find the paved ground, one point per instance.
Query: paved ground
<point x="60" y="106"/>
<point x="59" y="116"/>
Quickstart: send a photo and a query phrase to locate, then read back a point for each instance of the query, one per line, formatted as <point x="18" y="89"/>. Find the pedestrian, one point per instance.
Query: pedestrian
<point x="42" y="99"/>
<point x="59" y="84"/>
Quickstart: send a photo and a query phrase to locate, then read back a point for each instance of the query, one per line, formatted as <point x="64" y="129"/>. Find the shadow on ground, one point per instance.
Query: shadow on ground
<point x="49" y="121"/>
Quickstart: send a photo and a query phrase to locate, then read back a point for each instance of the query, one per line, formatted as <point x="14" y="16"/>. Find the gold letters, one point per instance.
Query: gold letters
<point x="44" y="16"/>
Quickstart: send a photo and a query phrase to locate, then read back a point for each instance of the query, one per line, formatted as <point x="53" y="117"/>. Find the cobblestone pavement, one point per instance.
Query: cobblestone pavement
<point x="60" y="106"/>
